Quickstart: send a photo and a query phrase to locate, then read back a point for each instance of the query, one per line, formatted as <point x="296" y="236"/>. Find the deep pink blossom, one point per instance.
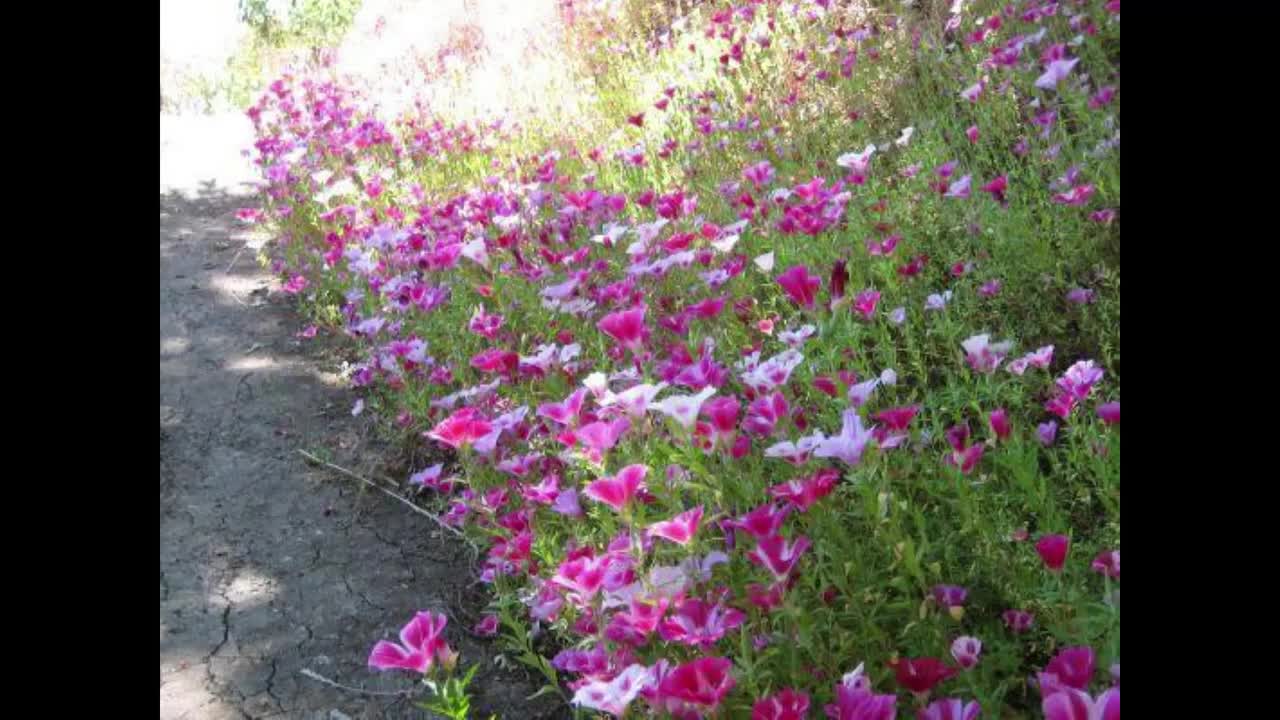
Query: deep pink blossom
<point x="1053" y="551"/>
<point x="800" y="286"/>
<point x="619" y="490"/>
<point x="421" y="644"/>
<point x="788" y="704"/>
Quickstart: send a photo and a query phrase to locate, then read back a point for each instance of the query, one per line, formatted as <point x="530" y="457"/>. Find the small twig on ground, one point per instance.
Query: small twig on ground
<point x="377" y="693"/>
<point x="234" y="259"/>
<point x="397" y="496"/>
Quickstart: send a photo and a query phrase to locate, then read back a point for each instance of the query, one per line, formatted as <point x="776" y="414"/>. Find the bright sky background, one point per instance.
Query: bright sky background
<point x="198" y="30"/>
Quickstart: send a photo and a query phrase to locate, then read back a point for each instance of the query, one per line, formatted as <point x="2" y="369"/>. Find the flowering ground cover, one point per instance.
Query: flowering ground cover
<point x="783" y="379"/>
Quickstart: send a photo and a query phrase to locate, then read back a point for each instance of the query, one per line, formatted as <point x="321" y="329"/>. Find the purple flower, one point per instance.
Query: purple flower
<point x="1046" y="432"/>
<point x="950" y="709"/>
<point x="1110" y="412"/>
<point x="1019" y="621"/>
<point x="1081" y="296"/>
<point x="1056" y="72"/>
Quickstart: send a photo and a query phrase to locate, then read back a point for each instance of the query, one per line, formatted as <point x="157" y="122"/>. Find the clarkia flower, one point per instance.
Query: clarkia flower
<point x="800" y="286"/>
<point x="966" y="651"/>
<point x="950" y="709"/>
<point x="1107" y="563"/>
<point x="421" y="644"/>
<point x="618" y="491"/>
<point x="1053" y="551"/>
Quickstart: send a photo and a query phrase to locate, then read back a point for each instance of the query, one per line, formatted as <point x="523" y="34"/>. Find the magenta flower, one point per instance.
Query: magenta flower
<point x="1019" y="621"/>
<point x="1000" y="423"/>
<point x="778" y="556"/>
<point x="618" y="491"/>
<point x="802" y="493"/>
<point x="461" y="428"/>
<point x="566" y="411"/>
<point x="699" y="624"/>
<point x="421" y="643"/>
<point x="484" y="324"/>
<point x="1110" y="412"/>
<point x="800" y="286"/>
<point x="679" y="529"/>
<point x="859" y="703"/>
<point x="1072" y="704"/>
<point x="1053" y="551"/>
<point x="764" y="521"/>
<point x="684" y="408"/>
<point x="866" y="302"/>
<point x="786" y="705"/>
<point x="723" y="413"/>
<point x="703" y="682"/>
<point x="1107" y="563"/>
<point x="839" y="276"/>
<point x="1071" y="668"/>
<point x="600" y="437"/>
<point x="997" y="188"/>
<point x="488" y="625"/>
<point x="1076" y="196"/>
<point x="949" y="709"/>
<point x="972" y="133"/>
<point x="627" y="327"/>
<point x="582" y="575"/>
<point x="966" y="651"/>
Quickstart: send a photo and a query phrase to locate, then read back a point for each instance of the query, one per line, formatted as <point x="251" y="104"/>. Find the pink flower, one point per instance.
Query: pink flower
<point x="582" y="575"/>
<point x="1019" y="621"/>
<point x="786" y="705"/>
<point x="855" y="701"/>
<point x="421" y="642"/>
<point x="950" y="709"/>
<point x="997" y="188"/>
<point x="762" y="522"/>
<point x="984" y="356"/>
<point x="1000" y="423"/>
<point x="488" y="626"/>
<point x="1071" y="668"/>
<point x="1072" y="704"/>
<point x="1076" y="196"/>
<point x="966" y="650"/>
<point x="1107" y="563"/>
<point x="723" y="413"/>
<point x="703" y="682"/>
<point x="1053" y="551"/>
<point x="679" y="529"/>
<point x="1110" y="413"/>
<point x="1102" y="98"/>
<point x="627" y="327"/>
<point x="618" y="491"/>
<point x="496" y="360"/>
<point x="699" y="624"/>
<point x="613" y="696"/>
<point x="566" y="411"/>
<point x="599" y="437"/>
<point x="484" y="324"/>
<point x="800" y="286"/>
<point x="764" y="413"/>
<point x="778" y="556"/>
<point x="990" y="289"/>
<point x="802" y="493"/>
<point x="1079" y="379"/>
<point x="972" y="133"/>
<point x="461" y="428"/>
<point x="866" y="302"/>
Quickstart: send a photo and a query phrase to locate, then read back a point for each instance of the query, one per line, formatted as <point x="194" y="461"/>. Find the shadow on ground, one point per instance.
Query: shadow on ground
<point x="268" y="565"/>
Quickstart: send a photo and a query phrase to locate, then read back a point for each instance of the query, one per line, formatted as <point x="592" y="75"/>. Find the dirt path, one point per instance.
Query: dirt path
<point x="269" y="566"/>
